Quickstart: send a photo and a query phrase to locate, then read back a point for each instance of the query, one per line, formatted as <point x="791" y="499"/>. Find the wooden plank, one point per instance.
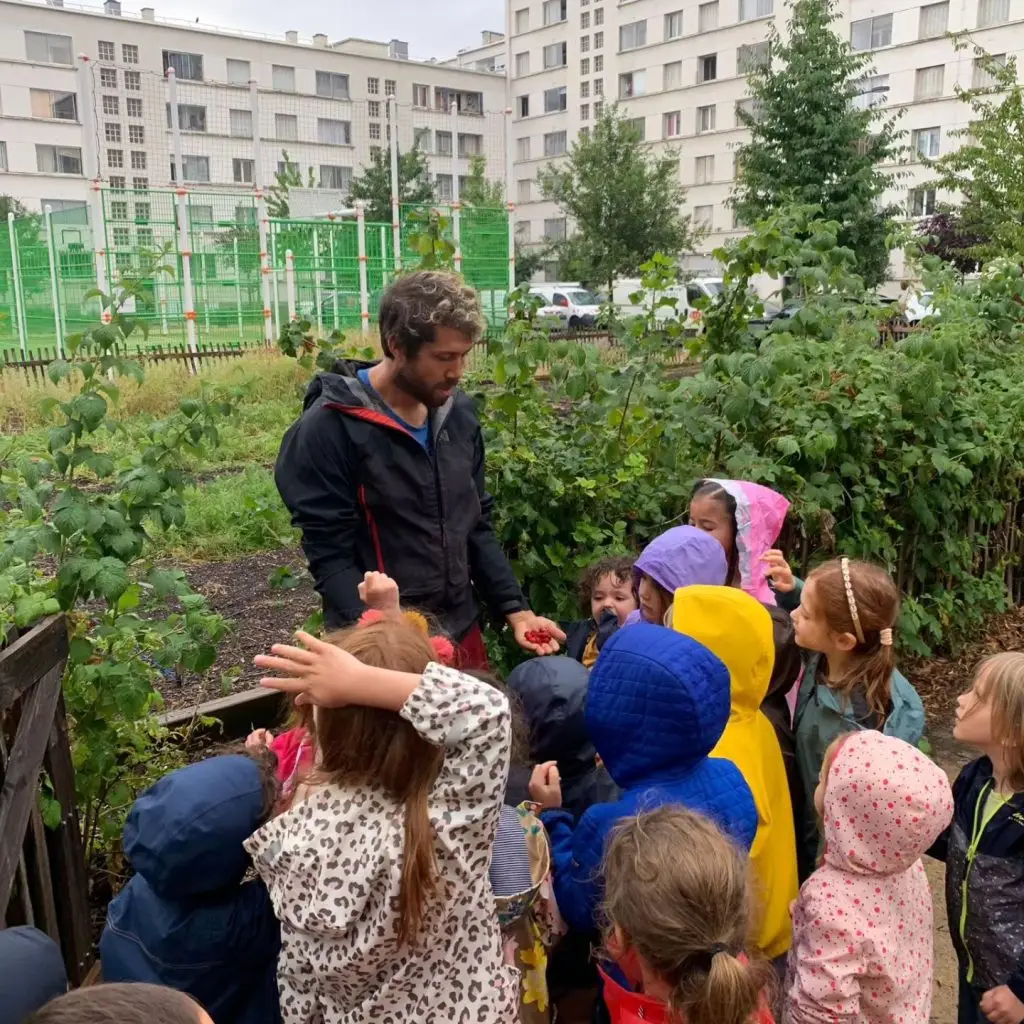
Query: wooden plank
<point x="67" y="855"/>
<point x="30" y="656"/>
<point x="17" y="798"/>
<point x="238" y="712"/>
<point x="37" y="862"/>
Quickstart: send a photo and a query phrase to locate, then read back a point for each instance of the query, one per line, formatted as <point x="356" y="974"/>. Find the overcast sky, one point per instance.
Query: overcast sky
<point x="432" y="28"/>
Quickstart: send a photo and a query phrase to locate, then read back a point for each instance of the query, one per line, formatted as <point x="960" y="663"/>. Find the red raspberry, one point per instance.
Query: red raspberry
<point x="540" y="637"/>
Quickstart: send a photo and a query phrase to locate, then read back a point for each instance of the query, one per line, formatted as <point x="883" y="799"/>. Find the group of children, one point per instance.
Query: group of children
<point x="619" y="833"/>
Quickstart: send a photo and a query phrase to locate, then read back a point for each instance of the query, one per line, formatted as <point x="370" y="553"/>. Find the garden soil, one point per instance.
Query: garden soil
<point x="262" y="615"/>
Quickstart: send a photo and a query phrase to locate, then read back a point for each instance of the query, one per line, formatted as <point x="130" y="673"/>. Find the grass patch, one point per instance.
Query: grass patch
<point x="225" y="518"/>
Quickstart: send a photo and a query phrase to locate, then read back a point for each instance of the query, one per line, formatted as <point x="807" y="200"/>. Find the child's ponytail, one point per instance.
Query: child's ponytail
<point x="730" y="992"/>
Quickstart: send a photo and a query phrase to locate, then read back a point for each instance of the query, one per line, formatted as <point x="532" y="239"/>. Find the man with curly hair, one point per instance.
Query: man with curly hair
<point x="384" y="471"/>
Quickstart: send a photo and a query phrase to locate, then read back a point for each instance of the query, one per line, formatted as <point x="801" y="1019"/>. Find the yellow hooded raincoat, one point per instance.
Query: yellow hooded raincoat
<point x="738" y="629"/>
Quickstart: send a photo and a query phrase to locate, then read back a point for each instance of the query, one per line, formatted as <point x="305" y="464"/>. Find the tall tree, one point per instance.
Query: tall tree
<point x="955" y="236"/>
<point x="289" y="176"/>
<point x="812" y="141"/>
<point x="373" y="186"/>
<point x="987" y="169"/>
<point x="478" y="190"/>
<point x="623" y="202"/>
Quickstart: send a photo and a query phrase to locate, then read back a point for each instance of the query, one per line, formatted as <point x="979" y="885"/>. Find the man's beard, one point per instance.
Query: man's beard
<point x="432" y="398"/>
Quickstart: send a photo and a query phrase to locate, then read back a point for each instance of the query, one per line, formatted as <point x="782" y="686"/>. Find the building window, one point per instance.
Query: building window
<point x="707" y="17"/>
<point x="584" y="67"/>
<point x="194" y="168"/>
<point x="373" y="108"/>
<point x="331" y="85"/>
<point x="674" y="25"/>
<point x="122" y="237"/>
<point x="421" y="96"/>
<point x="598" y="17"/>
<point x="290" y="167"/>
<point x="191" y="117"/>
<point x="187" y="66"/>
<point x="981" y="77"/>
<point x="872" y="91"/>
<point x="672" y="124"/>
<point x="707" y="68"/>
<point x="554" y="55"/>
<point x="138" y="160"/>
<point x="243" y="171"/>
<point x="522" y="106"/>
<point x="523" y="186"/>
<point x="555" y="144"/>
<point x="522" y="20"/>
<point x="116" y="182"/>
<point x="239" y="71"/>
<point x="59" y="159"/>
<point x="111" y="106"/>
<point x="47" y="48"/>
<point x="871" y="33"/>
<point x="421" y="139"/>
<point x="336" y="177"/>
<point x="584" y="44"/>
<point x="585" y="19"/>
<point x="933" y="22"/>
<point x="240" y="123"/>
<point x="706" y="119"/>
<point x="632" y="83"/>
<point x="750" y="55"/>
<point x="375" y="131"/>
<point x="554" y="229"/>
<point x="443" y="143"/>
<point x="598" y="86"/>
<point x="598" y="40"/>
<point x="444" y="187"/>
<point x="106" y="51"/>
<point x="633" y="35"/>
<point x="58" y="106"/>
<point x="133" y="81"/>
<point x="748" y="107"/>
<point x="554" y="99"/>
<point x="929" y="82"/>
<point x="584" y="90"/>
<point x="598" y="64"/>
<point x="286" y="127"/>
<point x="598" y="107"/>
<point x="554" y="11"/>
<point x="672" y="75"/>
<point x="703" y="217"/>
<point x="333" y="133"/>
<point x="390" y="87"/>
<point x="639" y="125"/>
<point x="522" y="64"/>
<point x="373" y="86"/>
<point x="137" y="134"/>
<point x="704" y="170"/>
<point x="993" y="12"/>
<point x="584" y="111"/>
<point x="925" y="142"/>
<point x="3" y="156"/>
<point x="108" y="78"/>
<point x="129" y="53"/>
<point x="115" y="158"/>
<point x="522" y="231"/>
<point x="751" y="9"/>
<point x="523" y="149"/>
<point x="282" y="78"/>
<point x="141" y="185"/>
<point x="921" y="202"/>
<point x="133" y="106"/>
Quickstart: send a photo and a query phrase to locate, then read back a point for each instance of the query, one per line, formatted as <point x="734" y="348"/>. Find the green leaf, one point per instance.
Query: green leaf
<point x="72" y="517"/>
<point x="89" y="409"/>
<point x="111" y="579"/>
<point x="50" y="810"/>
<point x="80" y="651"/>
<point x="129" y="599"/>
<point x="58" y="370"/>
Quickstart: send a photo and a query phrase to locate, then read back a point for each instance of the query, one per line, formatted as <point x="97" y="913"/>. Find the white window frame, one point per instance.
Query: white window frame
<point x="50" y="48"/>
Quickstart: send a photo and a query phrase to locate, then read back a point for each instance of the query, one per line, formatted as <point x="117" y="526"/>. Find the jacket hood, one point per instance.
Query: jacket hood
<point x="553" y="692"/>
<point x="184" y="835"/>
<point x="760" y="513"/>
<point x="715" y="617"/>
<point x="885" y="804"/>
<point x="682" y="557"/>
<point x="657" y="704"/>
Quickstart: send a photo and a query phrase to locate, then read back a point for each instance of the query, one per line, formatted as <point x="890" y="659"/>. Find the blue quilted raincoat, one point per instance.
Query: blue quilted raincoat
<point x="657" y="704"/>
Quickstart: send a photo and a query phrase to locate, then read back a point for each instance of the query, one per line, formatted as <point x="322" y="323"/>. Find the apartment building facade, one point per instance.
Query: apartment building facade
<point x="679" y="69"/>
<point x="240" y="98"/>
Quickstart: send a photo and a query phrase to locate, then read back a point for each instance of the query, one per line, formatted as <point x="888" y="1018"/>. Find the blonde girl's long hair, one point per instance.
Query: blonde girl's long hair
<point x="878" y="607"/>
<point x="375" y="748"/>
<point x="1001" y="679"/>
<point x="677" y="892"/>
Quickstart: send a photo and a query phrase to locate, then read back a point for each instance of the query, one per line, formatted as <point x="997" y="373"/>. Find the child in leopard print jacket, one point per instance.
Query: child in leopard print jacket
<point x="378" y="872"/>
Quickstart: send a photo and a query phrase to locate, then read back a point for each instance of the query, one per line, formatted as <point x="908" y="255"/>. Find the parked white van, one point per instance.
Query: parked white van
<point x="571" y="303"/>
<point x="686" y="295"/>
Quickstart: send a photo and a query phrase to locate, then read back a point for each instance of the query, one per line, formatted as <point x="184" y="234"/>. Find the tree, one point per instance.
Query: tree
<point x="9" y="205"/>
<point x="528" y="262"/>
<point x="623" y="201"/>
<point x="812" y="142"/>
<point x="956" y="237"/>
<point x="373" y="186"/>
<point x="285" y="179"/>
<point x="986" y="169"/>
<point x="478" y="191"/>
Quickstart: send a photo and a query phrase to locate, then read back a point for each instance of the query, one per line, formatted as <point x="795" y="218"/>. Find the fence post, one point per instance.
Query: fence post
<point x="364" y="295"/>
<point x="238" y="285"/>
<point x="396" y="229"/>
<point x="91" y="168"/>
<point x="261" y="211"/>
<point x="19" y="298"/>
<point x="456" y="205"/>
<point x="289" y="284"/>
<point x="181" y="194"/>
<point x="334" y="276"/>
<point x="275" y="277"/>
<point x="317" y="296"/>
<point x="54" y="290"/>
<point x="510" y="203"/>
<point x="161" y="299"/>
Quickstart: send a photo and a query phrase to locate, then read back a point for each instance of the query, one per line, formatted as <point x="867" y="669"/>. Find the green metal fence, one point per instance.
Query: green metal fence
<point x="53" y="263"/>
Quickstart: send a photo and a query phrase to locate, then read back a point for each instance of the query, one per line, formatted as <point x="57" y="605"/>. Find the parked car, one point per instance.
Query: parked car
<point x="573" y="304"/>
<point x="918" y="307"/>
<point x="698" y="290"/>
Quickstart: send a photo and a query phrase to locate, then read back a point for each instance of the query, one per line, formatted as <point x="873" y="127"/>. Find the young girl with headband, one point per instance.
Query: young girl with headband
<point x="844" y="617"/>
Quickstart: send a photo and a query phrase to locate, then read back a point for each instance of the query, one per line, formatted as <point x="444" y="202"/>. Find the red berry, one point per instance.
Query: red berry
<point x="540" y="637"/>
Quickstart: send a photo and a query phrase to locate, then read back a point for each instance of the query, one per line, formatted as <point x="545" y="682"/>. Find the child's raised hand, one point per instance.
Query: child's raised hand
<point x="1001" y="1006"/>
<point x="316" y="673"/>
<point x="258" y="738"/>
<point x="546" y="785"/>
<point x="778" y="571"/>
<point x="380" y="591"/>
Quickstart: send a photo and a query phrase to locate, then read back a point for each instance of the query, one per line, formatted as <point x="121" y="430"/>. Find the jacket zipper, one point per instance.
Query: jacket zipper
<point x="972" y="850"/>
